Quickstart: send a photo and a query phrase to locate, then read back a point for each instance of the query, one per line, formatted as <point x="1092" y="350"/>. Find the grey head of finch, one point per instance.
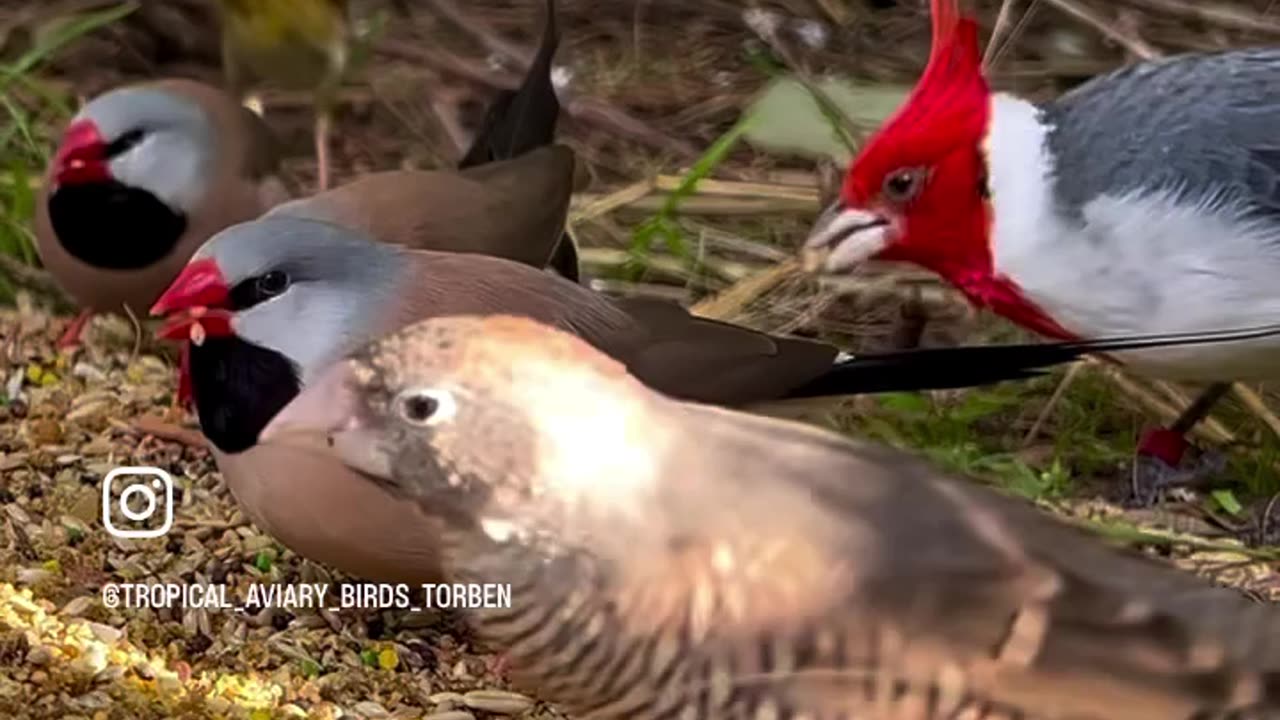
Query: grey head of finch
<point x="297" y="286"/>
<point x="144" y="137"/>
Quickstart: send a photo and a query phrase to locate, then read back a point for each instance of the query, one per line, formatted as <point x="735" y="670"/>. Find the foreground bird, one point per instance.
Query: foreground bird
<point x="268" y="305"/>
<point x="293" y="44"/>
<point x="143" y="176"/>
<point x="1144" y="201"/>
<point x="667" y="559"/>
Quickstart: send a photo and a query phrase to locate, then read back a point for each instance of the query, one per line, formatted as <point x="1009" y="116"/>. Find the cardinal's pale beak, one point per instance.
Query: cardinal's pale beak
<point x="844" y="237"/>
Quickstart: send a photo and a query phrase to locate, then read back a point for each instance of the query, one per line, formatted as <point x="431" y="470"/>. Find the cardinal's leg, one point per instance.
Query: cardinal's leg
<point x="1161" y="463"/>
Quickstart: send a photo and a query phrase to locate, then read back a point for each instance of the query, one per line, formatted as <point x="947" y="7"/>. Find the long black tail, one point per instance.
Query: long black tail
<point x="946" y="368"/>
<point x="523" y="119"/>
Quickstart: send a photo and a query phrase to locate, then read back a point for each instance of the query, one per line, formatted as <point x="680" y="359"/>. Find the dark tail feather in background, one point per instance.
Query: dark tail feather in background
<point x="524" y="119"/>
<point x="948" y="368"/>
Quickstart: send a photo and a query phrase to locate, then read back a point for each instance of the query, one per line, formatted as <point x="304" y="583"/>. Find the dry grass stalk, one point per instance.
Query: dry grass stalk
<point x="727" y="304"/>
<point x="757" y="190"/>
<point x="728" y="270"/>
<point x="1212" y="431"/>
<point x="1135" y="45"/>
<point x="1256" y="405"/>
<point x="1182" y="398"/>
<point x="1218" y="14"/>
<point x="1049" y="406"/>
<point x="589" y="207"/>
<point x="703" y="205"/>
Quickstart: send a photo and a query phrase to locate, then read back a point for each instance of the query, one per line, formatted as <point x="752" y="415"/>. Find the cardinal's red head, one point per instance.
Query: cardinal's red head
<point x="917" y="191"/>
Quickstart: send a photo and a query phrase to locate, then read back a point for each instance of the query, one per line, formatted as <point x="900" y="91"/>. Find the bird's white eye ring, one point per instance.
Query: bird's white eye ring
<point x="425" y="407"/>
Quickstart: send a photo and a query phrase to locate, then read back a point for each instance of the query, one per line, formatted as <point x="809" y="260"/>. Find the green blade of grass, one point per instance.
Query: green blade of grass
<point x="662" y="224"/>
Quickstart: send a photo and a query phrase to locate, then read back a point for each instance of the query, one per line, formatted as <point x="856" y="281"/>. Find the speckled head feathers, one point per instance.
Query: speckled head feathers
<point x="477" y="350"/>
<point x="499" y="418"/>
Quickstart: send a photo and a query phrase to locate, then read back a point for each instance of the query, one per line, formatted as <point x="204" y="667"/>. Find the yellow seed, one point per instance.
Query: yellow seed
<point x="388" y="659"/>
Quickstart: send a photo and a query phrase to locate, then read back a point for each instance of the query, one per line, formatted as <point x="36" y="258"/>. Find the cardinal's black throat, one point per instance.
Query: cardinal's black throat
<point x="238" y="388"/>
<point x="112" y="226"/>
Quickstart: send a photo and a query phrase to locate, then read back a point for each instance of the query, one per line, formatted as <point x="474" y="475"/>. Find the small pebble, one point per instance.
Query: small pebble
<point x="106" y="633"/>
<point x="44" y="431"/>
<point x="77" y="606"/>
<point x="33" y="576"/>
<point x="40" y="655"/>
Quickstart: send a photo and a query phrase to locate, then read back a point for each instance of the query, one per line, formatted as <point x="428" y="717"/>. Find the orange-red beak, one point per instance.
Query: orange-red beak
<point x="82" y="155"/>
<point x="197" y="303"/>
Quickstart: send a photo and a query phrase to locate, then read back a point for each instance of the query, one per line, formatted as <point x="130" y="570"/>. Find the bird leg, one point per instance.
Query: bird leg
<point x="322" y="149"/>
<point x="71" y="336"/>
<point x="185" y="399"/>
<point x="1159" y="462"/>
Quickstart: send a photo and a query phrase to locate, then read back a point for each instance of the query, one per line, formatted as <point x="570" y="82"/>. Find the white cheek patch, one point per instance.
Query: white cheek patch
<point x="170" y="167"/>
<point x="307" y="324"/>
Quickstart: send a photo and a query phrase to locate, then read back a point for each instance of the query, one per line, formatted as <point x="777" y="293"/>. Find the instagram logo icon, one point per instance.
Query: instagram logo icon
<point x="137" y="502"/>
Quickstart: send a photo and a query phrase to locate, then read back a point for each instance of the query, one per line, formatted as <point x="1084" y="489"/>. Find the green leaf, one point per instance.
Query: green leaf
<point x="1227" y="501"/>
<point x="786" y="118"/>
<point x="662" y="225"/>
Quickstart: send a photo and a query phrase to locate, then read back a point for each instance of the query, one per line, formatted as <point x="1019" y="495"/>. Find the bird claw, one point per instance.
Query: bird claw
<point x="1153" y="478"/>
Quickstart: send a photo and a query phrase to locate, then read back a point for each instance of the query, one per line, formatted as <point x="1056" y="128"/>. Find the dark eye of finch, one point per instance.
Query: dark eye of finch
<point x="419" y="408"/>
<point x="273" y="283"/>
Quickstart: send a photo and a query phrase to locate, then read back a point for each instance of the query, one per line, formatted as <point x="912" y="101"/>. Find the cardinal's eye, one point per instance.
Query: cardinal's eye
<point x="424" y="407"/>
<point x="273" y="283"/>
<point x="903" y="185"/>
